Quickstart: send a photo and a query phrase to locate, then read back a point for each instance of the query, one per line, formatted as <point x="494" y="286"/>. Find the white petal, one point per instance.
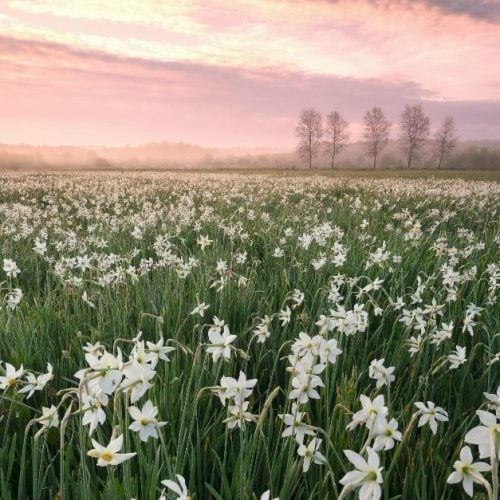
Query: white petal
<point x="351" y="477"/>
<point x="357" y="460"/>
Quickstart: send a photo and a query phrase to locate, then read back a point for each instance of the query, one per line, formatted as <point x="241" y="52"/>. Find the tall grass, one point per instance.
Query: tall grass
<point x="52" y="324"/>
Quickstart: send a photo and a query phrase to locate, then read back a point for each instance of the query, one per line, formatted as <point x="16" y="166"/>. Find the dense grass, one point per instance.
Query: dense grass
<point x="52" y="324"/>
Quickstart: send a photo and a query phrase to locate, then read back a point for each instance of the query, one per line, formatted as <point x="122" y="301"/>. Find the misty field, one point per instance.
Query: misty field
<point x="246" y="336"/>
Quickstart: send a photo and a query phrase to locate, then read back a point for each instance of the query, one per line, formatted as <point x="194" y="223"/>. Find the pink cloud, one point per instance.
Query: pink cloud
<point x="238" y="73"/>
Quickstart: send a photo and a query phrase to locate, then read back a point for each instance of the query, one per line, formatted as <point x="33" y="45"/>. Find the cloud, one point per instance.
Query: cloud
<point x="485" y="10"/>
<point x="54" y="93"/>
<point x="218" y="72"/>
<point x="398" y="39"/>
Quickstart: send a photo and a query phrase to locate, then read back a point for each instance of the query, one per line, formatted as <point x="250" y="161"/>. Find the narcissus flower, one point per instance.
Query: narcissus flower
<point x="386" y="435"/>
<point x="145" y="422"/>
<point x="11" y="376"/>
<point x="108" y="455"/>
<point x="311" y="453"/>
<point x="467" y="472"/>
<point x="372" y="413"/>
<point x="220" y="343"/>
<point x="367" y="475"/>
<point x="430" y="414"/>
<point x="487" y="436"/>
<point x="10" y="268"/>
<point x="49" y="417"/>
<point x="179" y="488"/>
<point x="37" y="383"/>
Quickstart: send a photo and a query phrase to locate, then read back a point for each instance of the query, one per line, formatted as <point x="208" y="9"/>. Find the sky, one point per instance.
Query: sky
<point x="237" y="73"/>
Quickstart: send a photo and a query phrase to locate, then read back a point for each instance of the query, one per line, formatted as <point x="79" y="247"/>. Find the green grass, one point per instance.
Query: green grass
<point x="53" y="323"/>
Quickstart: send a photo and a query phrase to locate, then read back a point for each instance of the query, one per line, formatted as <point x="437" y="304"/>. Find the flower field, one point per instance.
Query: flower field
<point x="246" y="336"/>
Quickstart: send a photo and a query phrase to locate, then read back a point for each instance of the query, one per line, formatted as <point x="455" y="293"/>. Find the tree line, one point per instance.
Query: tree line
<point x="334" y="135"/>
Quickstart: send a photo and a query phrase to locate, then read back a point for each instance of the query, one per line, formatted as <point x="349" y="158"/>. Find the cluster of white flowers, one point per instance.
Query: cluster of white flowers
<point x="348" y="322"/>
<point x="235" y="392"/>
<point x="107" y="376"/>
<point x="29" y="384"/>
<point x="12" y="296"/>
<point x="383" y="433"/>
<point x="221" y="340"/>
<point x="309" y="358"/>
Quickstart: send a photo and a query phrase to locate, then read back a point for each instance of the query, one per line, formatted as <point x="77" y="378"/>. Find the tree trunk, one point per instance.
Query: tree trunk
<point x="310" y="152"/>
<point x="440" y="161"/>
<point x="374" y="161"/>
<point x="333" y="161"/>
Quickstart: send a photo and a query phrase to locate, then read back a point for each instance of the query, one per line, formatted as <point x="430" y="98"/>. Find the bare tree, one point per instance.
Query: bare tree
<point x="309" y="131"/>
<point x="445" y="140"/>
<point x="415" y="130"/>
<point x="376" y="132"/>
<point x="337" y="134"/>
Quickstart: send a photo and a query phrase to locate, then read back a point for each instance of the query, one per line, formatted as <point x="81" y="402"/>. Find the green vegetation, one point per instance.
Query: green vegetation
<point x="395" y="267"/>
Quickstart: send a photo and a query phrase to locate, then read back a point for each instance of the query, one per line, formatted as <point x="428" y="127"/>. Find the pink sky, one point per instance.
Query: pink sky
<point x="236" y="73"/>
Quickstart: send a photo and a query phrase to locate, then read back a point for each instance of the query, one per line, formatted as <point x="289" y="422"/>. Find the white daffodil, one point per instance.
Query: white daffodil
<point x="387" y="433"/>
<point x="414" y="345"/>
<point x="87" y="301"/>
<point x="297" y="298"/>
<point x="311" y="453"/>
<point x="367" y="476"/>
<point x="328" y="351"/>
<point x="10" y="268"/>
<point x="145" y="422"/>
<point x="140" y="355"/>
<point x="137" y="380"/>
<point x="49" y="417"/>
<point x="158" y="352"/>
<point x="240" y="389"/>
<point x="457" y="357"/>
<point x="92" y="408"/>
<point x="304" y="387"/>
<point x="106" y="372"/>
<point x="220" y="343"/>
<point x="380" y="373"/>
<point x="200" y="309"/>
<point x="430" y="414"/>
<point x="179" y="488"/>
<point x="295" y="426"/>
<point x="373" y="413"/>
<point x="37" y="383"/>
<point x="307" y="345"/>
<point x="487" y="436"/>
<point x="11" y="376"/>
<point x="13" y="298"/>
<point x="204" y="242"/>
<point x="442" y="334"/>
<point x="285" y="316"/>
<point x="494" y="401"/>
<point x="239" y="414"/>
<point x="108" y="455"/>
<point x="467" y="472"/>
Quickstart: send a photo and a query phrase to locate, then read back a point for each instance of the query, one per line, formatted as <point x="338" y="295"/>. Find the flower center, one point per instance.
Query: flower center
<point x="107" y="456"/>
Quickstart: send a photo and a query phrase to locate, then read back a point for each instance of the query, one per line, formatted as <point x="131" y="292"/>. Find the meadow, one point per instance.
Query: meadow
<point x="249" y="335"/>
